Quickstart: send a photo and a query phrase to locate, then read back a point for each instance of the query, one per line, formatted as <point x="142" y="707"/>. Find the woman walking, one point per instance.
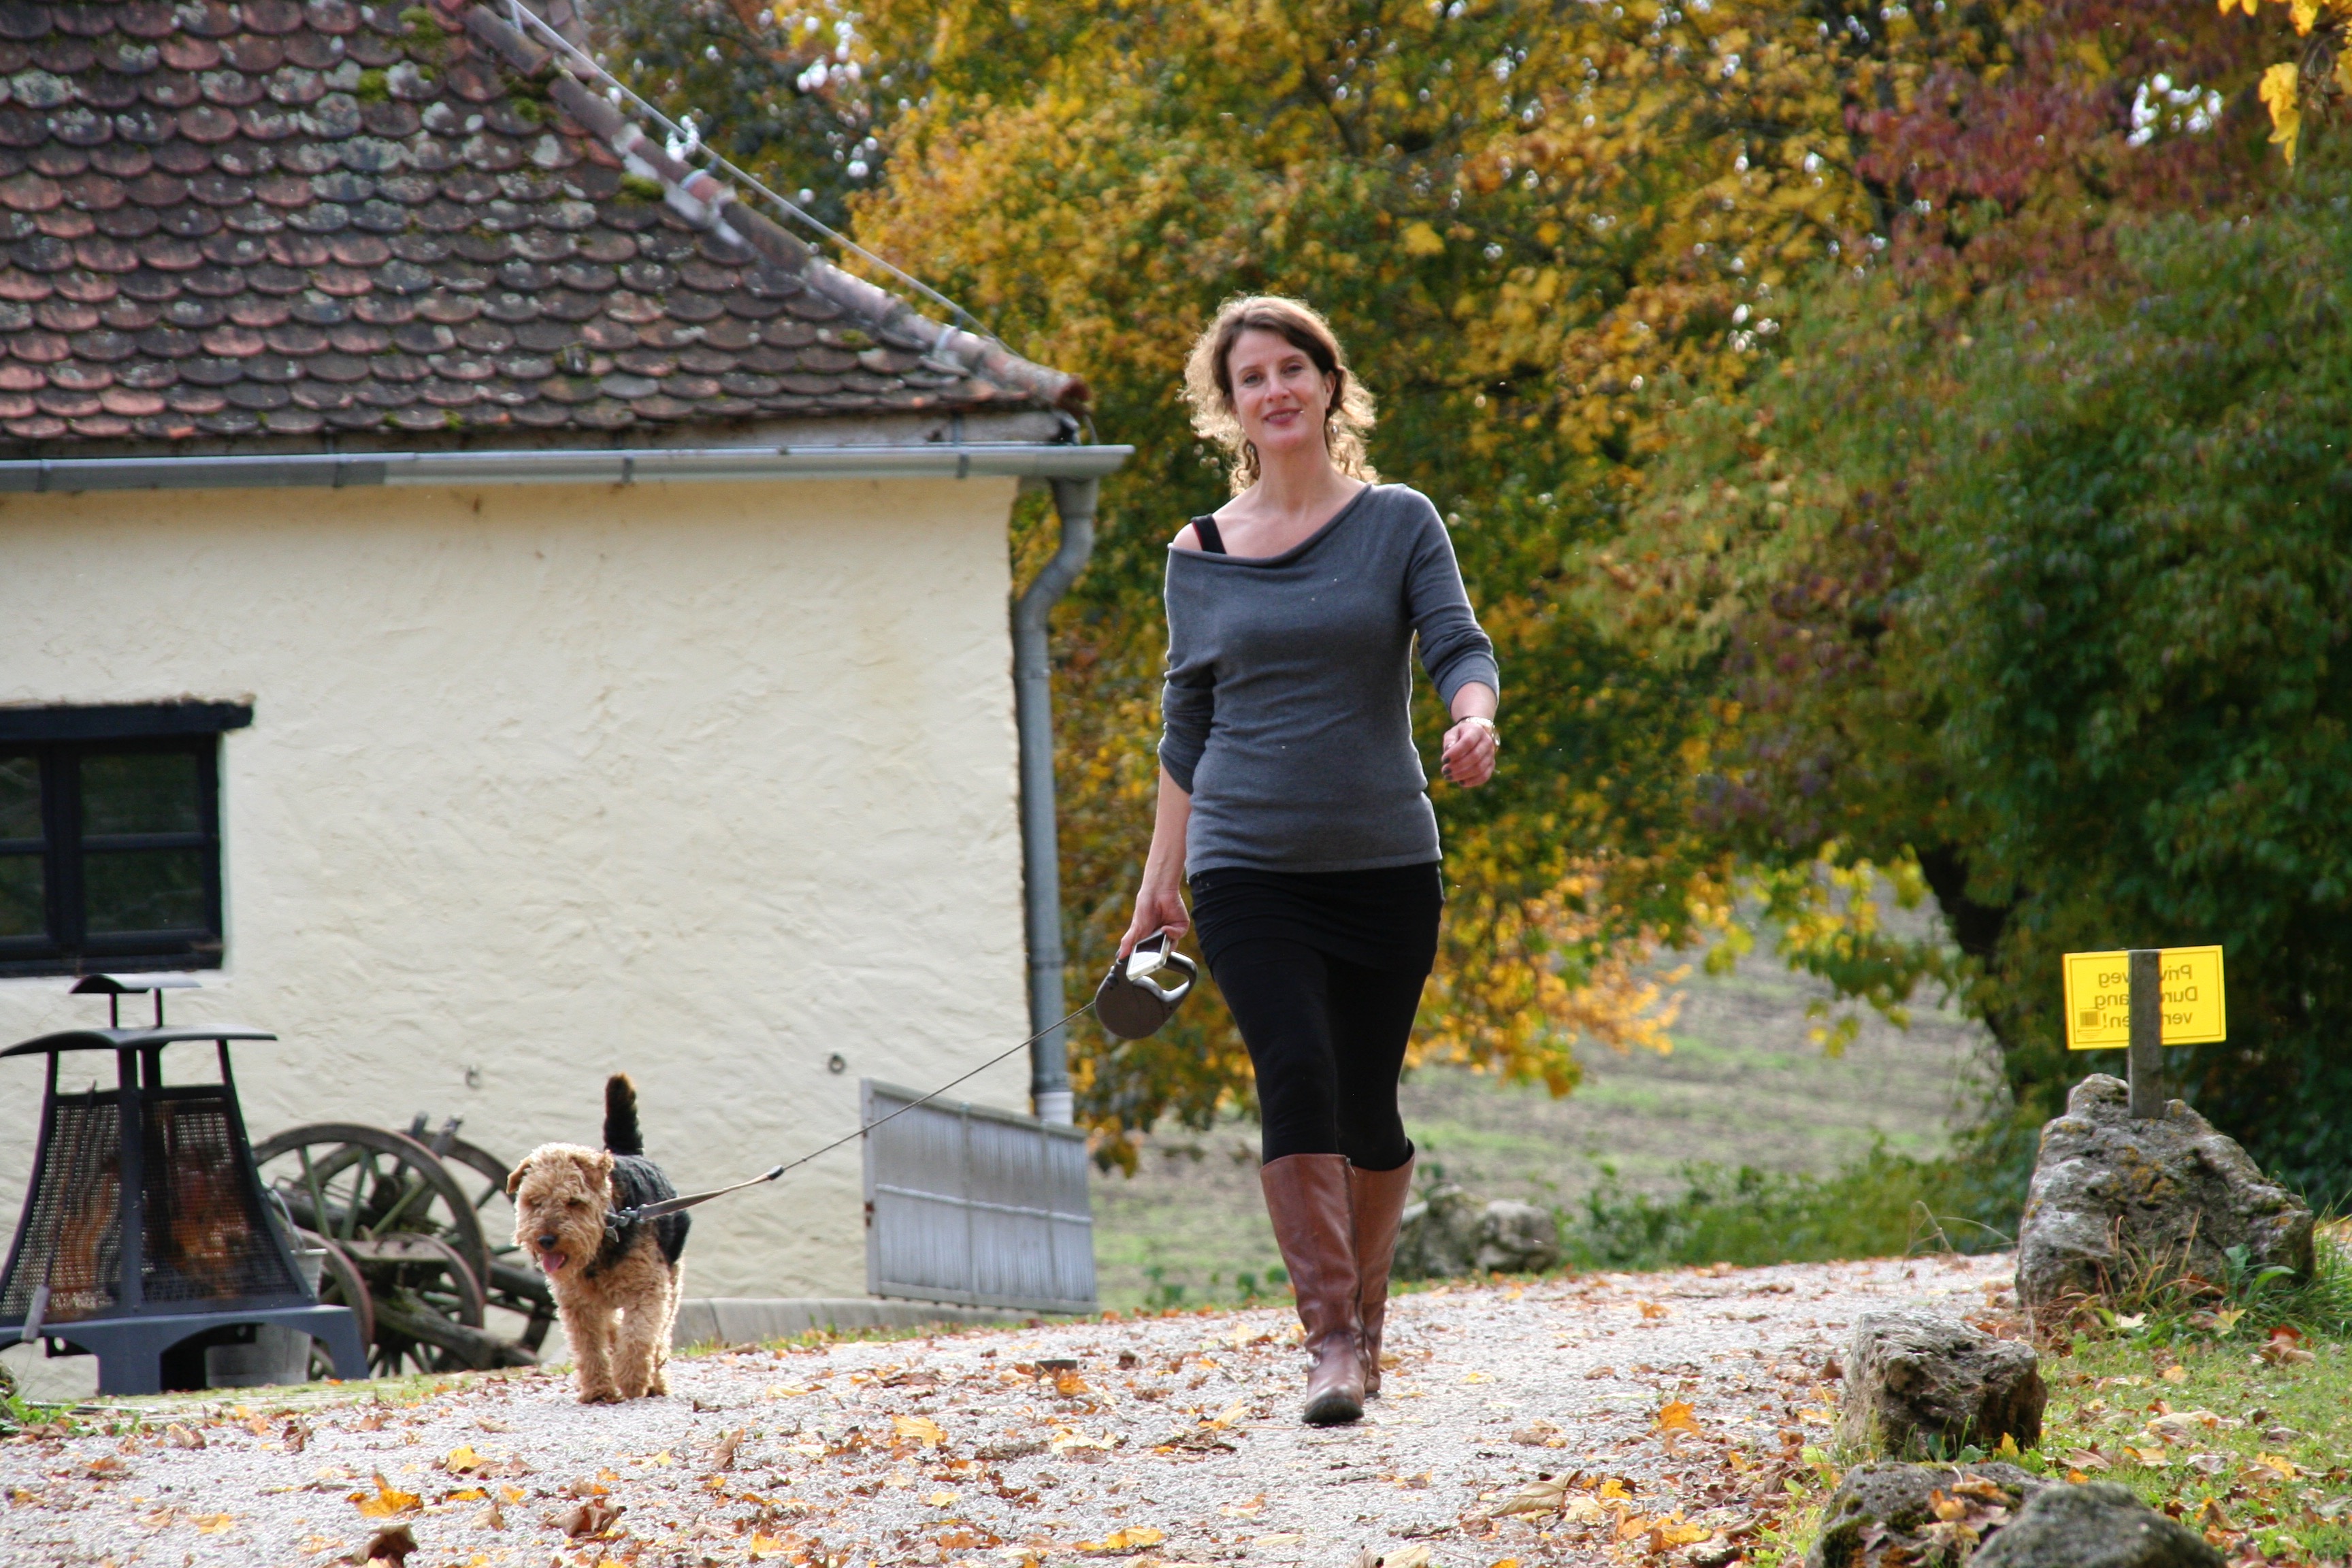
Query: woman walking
<point x="1292" y="797"/>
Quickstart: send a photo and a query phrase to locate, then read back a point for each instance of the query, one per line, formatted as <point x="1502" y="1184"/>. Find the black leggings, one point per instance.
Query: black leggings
<point x="1327" y="1038"/>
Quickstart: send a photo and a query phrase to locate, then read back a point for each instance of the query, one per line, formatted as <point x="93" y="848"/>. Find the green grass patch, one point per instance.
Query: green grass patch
<point x="2220" y="1403"/>
<point x="17" y="1414"/>
<point x="2213" y="1433"/>
<point x="2223" y="1406"/>
<point x="1883" y="1205"/>
<point x="1243" y="1288"/>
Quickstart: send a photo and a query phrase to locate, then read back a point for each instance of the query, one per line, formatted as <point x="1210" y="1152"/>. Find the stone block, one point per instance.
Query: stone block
<point x="1920" y="1385"/>
<point x="1453" y="1233"/>
<point x="2122" y="1202"/>
<point x="2097" y="1525"/>
<point x="1516" y="1238"/>
<point x="1884" y="1515"/>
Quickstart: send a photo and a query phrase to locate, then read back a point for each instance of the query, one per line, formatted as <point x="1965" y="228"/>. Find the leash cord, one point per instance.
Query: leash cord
<point x="672" y="1205"/>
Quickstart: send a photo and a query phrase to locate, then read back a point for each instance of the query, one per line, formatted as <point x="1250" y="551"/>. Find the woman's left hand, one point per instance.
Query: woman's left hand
<point x="1470" y="748"/>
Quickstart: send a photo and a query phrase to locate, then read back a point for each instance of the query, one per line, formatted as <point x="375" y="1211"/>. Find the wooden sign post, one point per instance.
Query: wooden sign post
<point x="2141" y="1001"/>
<point x="2143" y="1061"/>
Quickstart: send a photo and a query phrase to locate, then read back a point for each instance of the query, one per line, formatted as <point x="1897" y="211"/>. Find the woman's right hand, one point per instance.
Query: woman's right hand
<point x="1157" y="909"/>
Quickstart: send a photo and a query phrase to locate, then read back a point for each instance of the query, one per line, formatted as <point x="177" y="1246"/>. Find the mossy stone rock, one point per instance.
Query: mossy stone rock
<point x="1920" y="1385"/>
<point x="2123" y="1202"/>
<point x="2096" y="1525"/>
<point x="1884" y="1515"/>
<point x="1452" y="1233"/>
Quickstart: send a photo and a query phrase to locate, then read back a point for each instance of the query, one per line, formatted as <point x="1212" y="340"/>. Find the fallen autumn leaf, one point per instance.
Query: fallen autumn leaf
<point x="385" y="1501"/>
<point x="919" y="1430"/>
<point x="1535" y="1498"/>
<point x="1127" y="1539"/>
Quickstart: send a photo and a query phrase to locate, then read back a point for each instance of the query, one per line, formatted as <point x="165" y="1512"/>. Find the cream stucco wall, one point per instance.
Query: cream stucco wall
<point x="703" y="782"/>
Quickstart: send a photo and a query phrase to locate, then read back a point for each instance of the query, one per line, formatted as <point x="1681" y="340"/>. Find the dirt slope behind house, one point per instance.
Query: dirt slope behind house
<point x="1672" y="1405"/>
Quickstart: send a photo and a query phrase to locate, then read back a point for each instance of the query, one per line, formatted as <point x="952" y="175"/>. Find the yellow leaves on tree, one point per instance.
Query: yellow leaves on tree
<point x="2316" y="84"/>
<point x="2278" y="95"/>
<point x="1511" y="995"/>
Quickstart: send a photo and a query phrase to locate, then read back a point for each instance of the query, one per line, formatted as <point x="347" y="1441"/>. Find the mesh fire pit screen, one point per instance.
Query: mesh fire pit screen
<point x="203" y="1231"/>
<point x="205" y="1236"/>
<point x="73" y="1219"/>
<point x="143" y="1227"/>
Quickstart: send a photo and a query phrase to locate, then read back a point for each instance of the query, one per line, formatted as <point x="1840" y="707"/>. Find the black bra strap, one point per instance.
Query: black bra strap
<point x="1211" y="541"/>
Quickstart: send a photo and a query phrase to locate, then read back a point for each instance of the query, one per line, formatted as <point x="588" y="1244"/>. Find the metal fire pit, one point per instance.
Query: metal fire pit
<point x="144" y="1236"/>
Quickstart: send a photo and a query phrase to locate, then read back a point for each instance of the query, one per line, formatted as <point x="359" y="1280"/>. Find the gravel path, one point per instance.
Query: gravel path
<point x="1671" y="1405"/>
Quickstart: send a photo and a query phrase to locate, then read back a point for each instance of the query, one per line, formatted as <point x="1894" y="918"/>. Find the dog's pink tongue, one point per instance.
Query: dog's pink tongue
<point x="552" y="1262"/>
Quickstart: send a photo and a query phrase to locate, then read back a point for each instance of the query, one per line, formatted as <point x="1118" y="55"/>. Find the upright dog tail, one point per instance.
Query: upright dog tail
<point x="621" y="1133"/>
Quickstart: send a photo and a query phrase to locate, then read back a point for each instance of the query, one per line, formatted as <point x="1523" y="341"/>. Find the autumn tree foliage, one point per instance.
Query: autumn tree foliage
<point x="1526" y="219"/>
<point x="2005" y="189"/>
<point x="2309" y="84"/>
<point x="2088" y="564"/>
<point x="783" y="91"/>
<point x="1568" y="244"/>
<point x="2025" y="567"/>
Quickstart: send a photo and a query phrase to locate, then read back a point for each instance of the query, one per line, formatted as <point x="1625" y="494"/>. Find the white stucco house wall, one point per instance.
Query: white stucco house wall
<point x="572" y="616"/>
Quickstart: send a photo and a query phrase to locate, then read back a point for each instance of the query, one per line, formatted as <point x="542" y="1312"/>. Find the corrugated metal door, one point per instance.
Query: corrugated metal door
<point x="975" y="1206"/>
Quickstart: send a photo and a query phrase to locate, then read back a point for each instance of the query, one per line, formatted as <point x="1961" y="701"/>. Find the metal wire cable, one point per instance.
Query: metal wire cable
<point x="688" y="1201"/>
<point x="527" y="20"/>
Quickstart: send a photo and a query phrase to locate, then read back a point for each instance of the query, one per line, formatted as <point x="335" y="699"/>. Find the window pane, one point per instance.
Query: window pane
<point x="20" y="796"/>
<point x="151" y="792"/>
<point x="144" y="890"/>
<point x="22" y="912"/>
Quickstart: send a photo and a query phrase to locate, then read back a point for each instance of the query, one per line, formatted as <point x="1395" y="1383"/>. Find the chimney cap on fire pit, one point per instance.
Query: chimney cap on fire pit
<point x="128" y="985"/>
<point x="115" y="987"/>
<point x="151" y="1037"/>
<point x="132" y="1040"/>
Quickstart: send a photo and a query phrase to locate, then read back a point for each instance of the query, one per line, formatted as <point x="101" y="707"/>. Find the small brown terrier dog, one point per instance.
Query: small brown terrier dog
<point x="616" y="1285"/>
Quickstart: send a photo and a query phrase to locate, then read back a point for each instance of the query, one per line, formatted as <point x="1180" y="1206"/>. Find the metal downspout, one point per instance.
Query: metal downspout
<point x="1032" y="709"/>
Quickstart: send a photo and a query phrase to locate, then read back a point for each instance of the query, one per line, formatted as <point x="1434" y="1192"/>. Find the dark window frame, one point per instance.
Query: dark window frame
<point x="60" y="738"/>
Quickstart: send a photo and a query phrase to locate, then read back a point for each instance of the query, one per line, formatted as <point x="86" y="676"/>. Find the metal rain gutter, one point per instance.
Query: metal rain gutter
<point x="331" y="470"/>
<point x="1040" y="848"/>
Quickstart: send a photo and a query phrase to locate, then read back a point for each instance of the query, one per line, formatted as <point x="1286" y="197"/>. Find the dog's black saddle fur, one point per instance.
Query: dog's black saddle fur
<point x="636" y="1181"/>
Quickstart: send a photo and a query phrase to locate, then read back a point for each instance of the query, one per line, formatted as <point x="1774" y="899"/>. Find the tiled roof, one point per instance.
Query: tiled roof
<point x="399" y="227"/>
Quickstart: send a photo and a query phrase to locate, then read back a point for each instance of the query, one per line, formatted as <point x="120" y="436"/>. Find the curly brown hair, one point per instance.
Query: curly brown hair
<point x="1209" y="385"/>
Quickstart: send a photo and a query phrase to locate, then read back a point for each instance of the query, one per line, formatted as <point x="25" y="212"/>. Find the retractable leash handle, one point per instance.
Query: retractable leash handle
<point x="1132" y="1005"/>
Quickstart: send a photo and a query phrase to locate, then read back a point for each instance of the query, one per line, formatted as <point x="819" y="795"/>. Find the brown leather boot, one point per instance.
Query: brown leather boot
<point x="1307" y="1198"/>
<point x="1377" y="1199"/>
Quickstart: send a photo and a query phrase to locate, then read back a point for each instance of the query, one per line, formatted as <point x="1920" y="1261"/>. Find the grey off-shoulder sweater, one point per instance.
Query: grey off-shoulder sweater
<point x="1289" y="679"/>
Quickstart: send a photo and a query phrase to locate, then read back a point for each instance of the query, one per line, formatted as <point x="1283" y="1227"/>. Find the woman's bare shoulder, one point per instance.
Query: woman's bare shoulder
<point x="1187" y="538"/>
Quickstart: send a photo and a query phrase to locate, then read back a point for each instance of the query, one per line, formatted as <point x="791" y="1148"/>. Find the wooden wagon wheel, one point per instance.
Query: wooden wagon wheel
<point x="428" y="1308"/>
<point x="514" y="1283"/>
<point x="341" y="1284"/>
<point x="352" y="1182"/>
<point x="408" y="1229"/>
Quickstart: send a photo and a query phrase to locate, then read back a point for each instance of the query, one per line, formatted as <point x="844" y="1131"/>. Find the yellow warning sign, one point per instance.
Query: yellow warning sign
<point x="2098" y="999"/>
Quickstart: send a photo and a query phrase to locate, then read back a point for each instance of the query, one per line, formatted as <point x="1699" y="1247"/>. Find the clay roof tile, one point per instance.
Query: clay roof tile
<point x="201" y="234"/>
